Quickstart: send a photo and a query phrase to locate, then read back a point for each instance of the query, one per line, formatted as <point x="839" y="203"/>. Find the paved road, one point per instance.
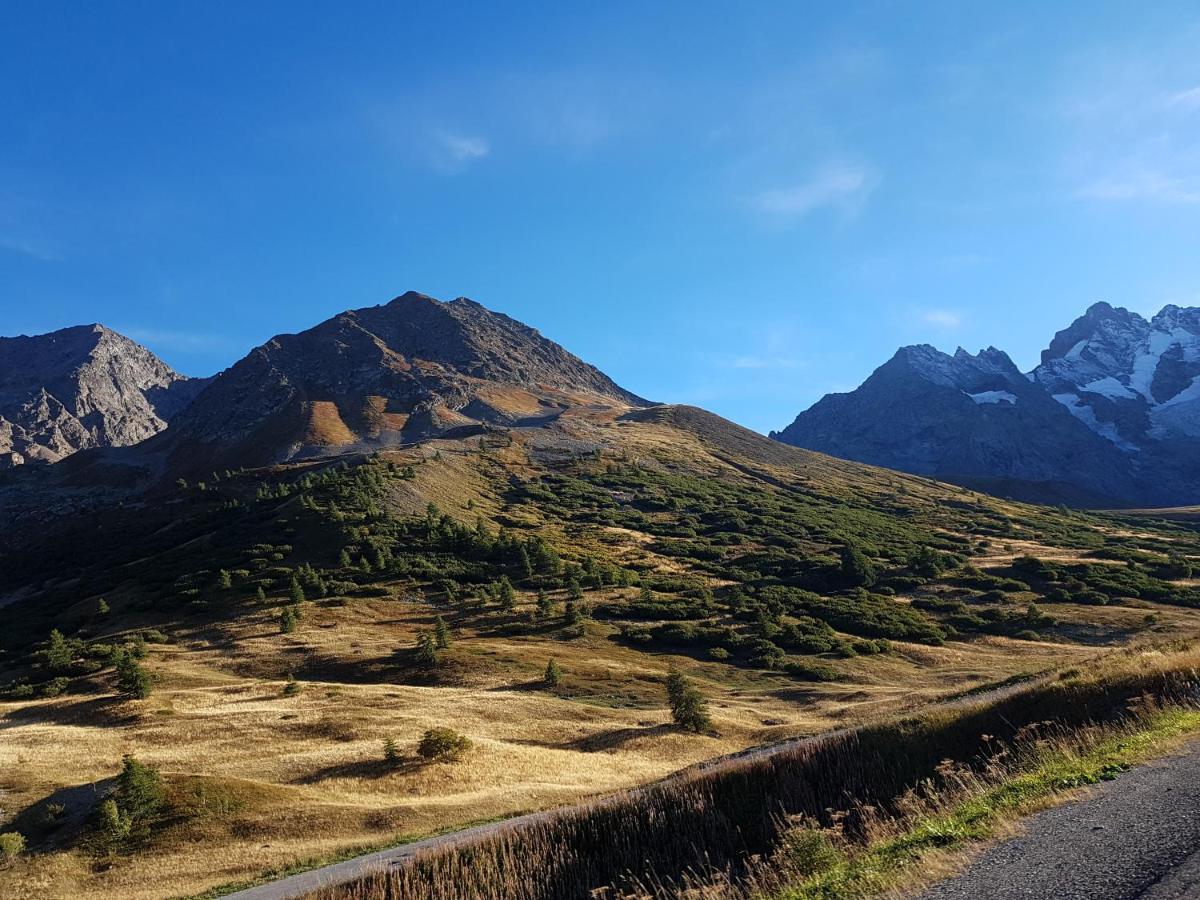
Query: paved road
<point x="1135" y="837"/>
<point x="353" y="869"/>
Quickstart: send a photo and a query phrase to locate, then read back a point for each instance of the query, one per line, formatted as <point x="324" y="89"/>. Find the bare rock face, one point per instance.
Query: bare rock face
<point x="79" y="388"/>
<point x="410" y="369"/>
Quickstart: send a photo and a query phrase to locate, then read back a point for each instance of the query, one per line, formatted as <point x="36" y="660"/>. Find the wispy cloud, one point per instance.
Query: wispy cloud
<point x="453" y="152"/>
<point x="1144" y="186"/>
<point x="844" y="188"/>
<point x="942" y="318"/>
<point x="1189" y="99"/>
<point x="31" y="249"/>
<point x="764" y="362"/>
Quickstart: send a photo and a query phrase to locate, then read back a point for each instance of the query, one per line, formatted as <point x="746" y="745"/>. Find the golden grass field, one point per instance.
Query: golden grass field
<point x="294" y="778"/>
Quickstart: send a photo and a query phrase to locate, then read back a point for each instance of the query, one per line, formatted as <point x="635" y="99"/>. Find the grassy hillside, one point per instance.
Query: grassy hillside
<point x="795" y="591"/>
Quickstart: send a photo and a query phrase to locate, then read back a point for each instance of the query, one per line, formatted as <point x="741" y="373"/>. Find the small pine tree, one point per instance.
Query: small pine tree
<point x="287" y="620"/>
<point x="689" y="709"/>
<point x="574" y="591"/>
<point x="260" y="595"/>
<point x="524" y="563"/>
<point x="426" y="651"/>
<point x="224" y="580"/>
<point x="391" y="752"/>
<point x="132" y="680"/>
<point x="553" y="675"/>
<point x="506" y="594"/>
<point x="57" y="654"/>
<point x="545" y="606"/>
<point x="296" y="591"/>
<point x="102" y="607"/>
<point x="441" y="633"/>
<point x="344" y="558"/>
<point x="572" y="614"/>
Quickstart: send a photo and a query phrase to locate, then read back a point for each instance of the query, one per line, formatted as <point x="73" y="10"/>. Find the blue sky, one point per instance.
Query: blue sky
<point x="742" y="206"/>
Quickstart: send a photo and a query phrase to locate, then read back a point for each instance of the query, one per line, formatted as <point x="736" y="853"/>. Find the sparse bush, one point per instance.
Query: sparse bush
<point x="553" y="674"/>
<point x="391" y="752"/>
<point x="441" y="633"/>
<point x="12" y="845"/>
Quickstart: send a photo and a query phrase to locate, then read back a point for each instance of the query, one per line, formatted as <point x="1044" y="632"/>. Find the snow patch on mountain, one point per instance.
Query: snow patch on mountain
<point x="994" y="397"/>
<point x="1085" y="414"/>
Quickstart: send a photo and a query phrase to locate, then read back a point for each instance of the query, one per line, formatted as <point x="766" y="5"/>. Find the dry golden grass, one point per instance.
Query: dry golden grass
<point x="308" y="769"/>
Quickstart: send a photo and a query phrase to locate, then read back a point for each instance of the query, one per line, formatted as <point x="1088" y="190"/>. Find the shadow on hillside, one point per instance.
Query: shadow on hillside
<point x="98" y="711"/>
<point x="364" y="768"/>
<point x="605" y="740"/>
<point x="59" y="819"/>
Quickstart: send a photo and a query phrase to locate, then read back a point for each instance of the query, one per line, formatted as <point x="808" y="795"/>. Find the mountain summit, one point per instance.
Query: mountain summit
<point x="413" y="368"/>
<point x="1111" y="416"/>
<point x="82" y="387"/>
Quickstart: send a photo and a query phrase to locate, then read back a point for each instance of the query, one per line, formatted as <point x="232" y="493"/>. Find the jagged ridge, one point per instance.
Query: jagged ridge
<point x="82" y="387"/>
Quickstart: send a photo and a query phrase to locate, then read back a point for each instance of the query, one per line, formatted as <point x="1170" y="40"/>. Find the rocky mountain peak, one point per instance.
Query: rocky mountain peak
<point x="412" y="368"/>
<point x="81" y="387"/>
<point x="1117" y="395"/>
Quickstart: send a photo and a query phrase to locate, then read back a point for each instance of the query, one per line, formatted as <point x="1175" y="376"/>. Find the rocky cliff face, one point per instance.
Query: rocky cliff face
<point x="415" y="367"/>
<point x="1111" y="416"/>
<point x="82" y="387"/>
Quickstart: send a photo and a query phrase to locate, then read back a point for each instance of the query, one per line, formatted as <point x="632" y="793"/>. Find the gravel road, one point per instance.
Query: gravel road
<point x="1137" y="836"/>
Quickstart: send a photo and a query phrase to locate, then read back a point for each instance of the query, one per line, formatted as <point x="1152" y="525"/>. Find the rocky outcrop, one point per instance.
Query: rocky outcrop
<point x="83" y="387"/>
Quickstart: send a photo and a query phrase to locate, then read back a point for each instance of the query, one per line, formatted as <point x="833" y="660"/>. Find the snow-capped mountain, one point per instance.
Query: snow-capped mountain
<point x="1111" y="416"/>
<point x="1129" y="380"/>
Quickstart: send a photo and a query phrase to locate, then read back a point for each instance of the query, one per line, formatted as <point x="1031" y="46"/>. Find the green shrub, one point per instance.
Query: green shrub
<point x="553" y="674"/>
<point x="442" y="744"/>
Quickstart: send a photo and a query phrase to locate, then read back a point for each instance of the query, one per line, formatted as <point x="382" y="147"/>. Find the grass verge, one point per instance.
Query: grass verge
<point x="980" y="806"/>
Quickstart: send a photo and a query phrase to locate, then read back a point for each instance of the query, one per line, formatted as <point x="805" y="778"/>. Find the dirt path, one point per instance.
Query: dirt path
<point x="1135" y="837"/>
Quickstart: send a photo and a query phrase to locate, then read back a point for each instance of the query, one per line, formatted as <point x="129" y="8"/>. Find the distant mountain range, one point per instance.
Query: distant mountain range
<point x="411" y="369"/>
<point x="1111" y="416"/>
<point x="83" y="387"/>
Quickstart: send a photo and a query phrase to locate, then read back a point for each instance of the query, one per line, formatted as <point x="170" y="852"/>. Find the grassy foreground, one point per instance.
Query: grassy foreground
<point x="845" y="815"/>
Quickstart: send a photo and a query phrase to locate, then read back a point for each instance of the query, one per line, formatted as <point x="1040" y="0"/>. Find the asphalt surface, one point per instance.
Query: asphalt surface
<point x="1137" y="836"/>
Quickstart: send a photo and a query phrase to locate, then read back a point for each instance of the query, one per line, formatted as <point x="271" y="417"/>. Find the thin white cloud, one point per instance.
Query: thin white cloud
<point x="1143" y="186"/>
<point x="844" y="188"/>
<point x="453" y="152"/>
<point x="30" y="249"/>
<point x="942" y="318"/>
<point x="1189" y="99"/>
<point x="764" y="362"/>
